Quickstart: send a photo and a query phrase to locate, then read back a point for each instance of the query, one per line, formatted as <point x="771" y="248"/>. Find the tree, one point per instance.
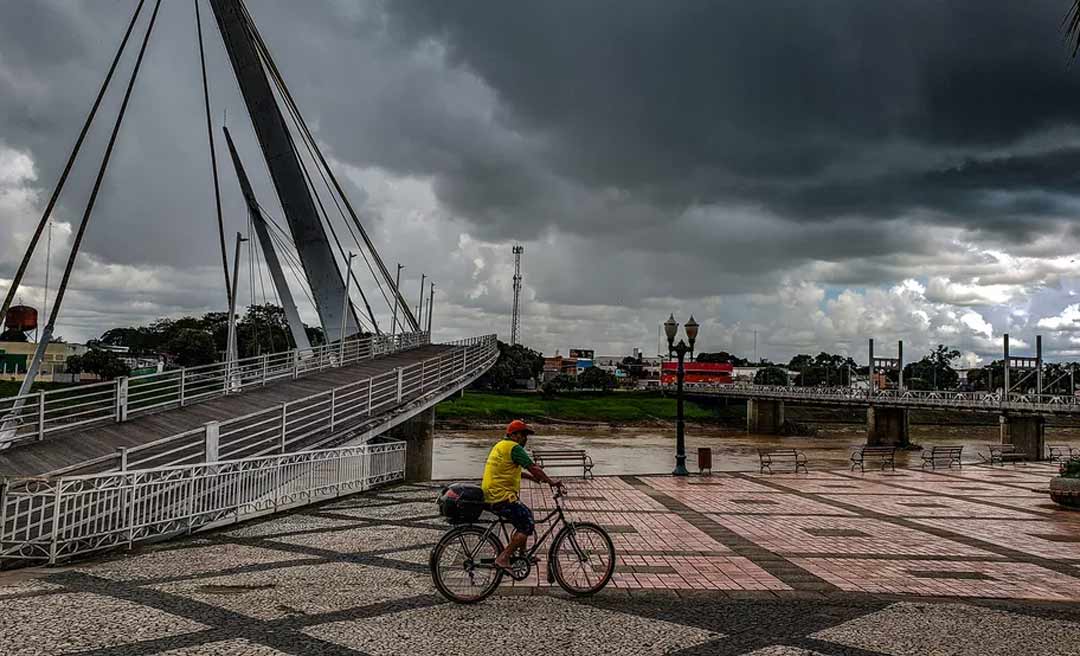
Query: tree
<point x="596" y="378"/>
<point x="13" y="336"/>
<point x="933" y="371"/>
<point x="722" y="357"/>
<point x="560" y="383"/>
<point x="514" y="368"/>
<point x="103" y="364"/>
<point x="191" y="347"/>
<point x="771" y="376"/>
<point x="822" y="369"/>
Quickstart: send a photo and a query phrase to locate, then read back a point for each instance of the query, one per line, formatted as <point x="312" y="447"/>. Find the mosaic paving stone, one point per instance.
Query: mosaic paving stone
<point x="788" y="534"/>
<point x="944" y="578"/>
<point x="304" y="589"/>
<point x="502" y="628"/>
<point x="782" y="650"/>
<point x="22" y="588"/>
<point x="718" y="482"/>
<point x="225" y="648"/>
<point x="594" y="498"/>
<point x="754" y="503"/>
<point x="1037" y="537"/>
<point x="910" y="629"/>
<point x="846" y="485"/>
<point x="1040" y="504"/>
<point x="404" y="510"/>
<point x="290" y="523"/>
<point x="653" y="533"/>
<point x="185" y="562"/>
<point x="921" y="506"/>
<point x="693" y="573"/>
<point x="367" y="538"/>
<point x="72" y="622"/>
<point x="974" y="488"/>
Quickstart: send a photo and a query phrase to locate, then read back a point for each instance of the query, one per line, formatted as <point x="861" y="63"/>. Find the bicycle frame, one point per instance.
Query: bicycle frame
<point x="531" y="552"/>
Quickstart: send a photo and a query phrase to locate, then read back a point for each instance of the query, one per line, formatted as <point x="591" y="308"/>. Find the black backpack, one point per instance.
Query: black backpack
<point x="461" y="503"/>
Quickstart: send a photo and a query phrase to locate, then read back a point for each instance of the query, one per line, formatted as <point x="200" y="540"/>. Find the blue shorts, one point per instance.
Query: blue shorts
<point x="518" y="514"/>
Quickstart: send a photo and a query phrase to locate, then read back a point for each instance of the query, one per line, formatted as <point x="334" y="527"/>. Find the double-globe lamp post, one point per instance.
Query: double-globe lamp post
<point x="671" y="327"/>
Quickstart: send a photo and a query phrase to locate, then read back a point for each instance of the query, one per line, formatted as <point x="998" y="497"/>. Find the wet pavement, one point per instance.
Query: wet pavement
<point x="967" y="561"/>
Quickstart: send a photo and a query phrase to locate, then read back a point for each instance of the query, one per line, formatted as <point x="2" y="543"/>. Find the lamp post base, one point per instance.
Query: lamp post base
<point x="680" y="467"/>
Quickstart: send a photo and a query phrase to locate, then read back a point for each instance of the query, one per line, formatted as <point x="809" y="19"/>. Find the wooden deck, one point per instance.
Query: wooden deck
<point x="62" y="449"/>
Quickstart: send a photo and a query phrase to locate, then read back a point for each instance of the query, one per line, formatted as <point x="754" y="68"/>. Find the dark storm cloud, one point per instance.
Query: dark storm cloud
<point x="779" y="103"/>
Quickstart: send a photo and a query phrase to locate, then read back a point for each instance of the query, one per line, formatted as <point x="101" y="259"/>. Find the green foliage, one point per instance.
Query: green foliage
<point x="515" y="366"/>
<point x="933" y="371"/>
<point x="560" y="383"/>
<point x="13" y="336"/>
<point x="191" y="347"/>
<point x="722" y="357"/>
<point x="596" y="378"/>
<point x="103" y="364"/>
<point x="771" y="376"/>
<point x="1070" y="468"/>
<point x="822" y="369"/>
<point x="580" y="406"/>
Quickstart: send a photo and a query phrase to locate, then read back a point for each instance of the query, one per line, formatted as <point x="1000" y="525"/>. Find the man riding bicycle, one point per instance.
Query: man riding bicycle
<point x="502" y="486"/>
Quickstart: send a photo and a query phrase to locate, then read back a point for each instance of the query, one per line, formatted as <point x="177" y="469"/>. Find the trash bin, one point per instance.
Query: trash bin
<point x="704" y="460"/>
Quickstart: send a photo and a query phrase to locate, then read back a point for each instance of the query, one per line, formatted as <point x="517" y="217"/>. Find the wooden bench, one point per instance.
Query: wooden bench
<point x="793" y="457"/>
<point x="1063" y="452"/>
<point x="948" y="455"/>
<point x="1003" y="453"/>
<point x="565" y="458"/>
<point x="885" y="455"/>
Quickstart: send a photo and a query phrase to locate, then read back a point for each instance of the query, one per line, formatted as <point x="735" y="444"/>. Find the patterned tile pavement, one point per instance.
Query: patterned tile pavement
<point x="830" y="562"/>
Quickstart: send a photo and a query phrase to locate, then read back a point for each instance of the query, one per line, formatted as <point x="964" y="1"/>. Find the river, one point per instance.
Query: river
<point x="461" y="454"/>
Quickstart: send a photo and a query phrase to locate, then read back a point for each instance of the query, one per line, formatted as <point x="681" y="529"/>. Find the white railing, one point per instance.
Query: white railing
<point x="31" y="417"/>
<point x="988" y="401"/>
<point x="294" y="424"/>
<point x="59" y="518"/>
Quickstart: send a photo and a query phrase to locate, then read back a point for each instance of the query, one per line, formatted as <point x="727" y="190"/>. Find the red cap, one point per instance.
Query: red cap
<point x="518" y="426"/>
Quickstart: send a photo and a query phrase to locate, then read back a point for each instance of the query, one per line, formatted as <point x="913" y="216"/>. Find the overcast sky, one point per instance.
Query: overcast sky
<point x="815" y="173"/>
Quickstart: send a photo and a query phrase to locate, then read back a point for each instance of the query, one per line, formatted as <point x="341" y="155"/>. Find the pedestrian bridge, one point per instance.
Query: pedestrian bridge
<point x="270" y="404"/>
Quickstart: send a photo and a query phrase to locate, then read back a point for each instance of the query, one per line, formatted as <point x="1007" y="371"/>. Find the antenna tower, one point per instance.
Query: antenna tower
<point x="515" y="320"/>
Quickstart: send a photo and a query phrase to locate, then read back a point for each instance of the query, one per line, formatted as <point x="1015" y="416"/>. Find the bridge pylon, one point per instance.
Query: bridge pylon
<point x="886" y="426"/>
<point x="1027" y="432"/>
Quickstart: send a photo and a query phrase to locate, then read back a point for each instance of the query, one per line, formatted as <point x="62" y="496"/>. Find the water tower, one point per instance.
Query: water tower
<point x="21" y="318"/>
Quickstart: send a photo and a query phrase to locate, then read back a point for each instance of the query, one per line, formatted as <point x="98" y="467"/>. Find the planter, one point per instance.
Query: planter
<point x="1065" y="492"/>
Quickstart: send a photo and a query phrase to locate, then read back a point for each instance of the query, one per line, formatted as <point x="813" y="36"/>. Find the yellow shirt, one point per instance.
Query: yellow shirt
<point x="502" y="473"/>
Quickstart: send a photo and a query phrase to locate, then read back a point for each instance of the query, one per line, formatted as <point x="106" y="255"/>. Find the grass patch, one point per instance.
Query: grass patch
<point x="11" y="387"/>
<point x="582" y="406"/>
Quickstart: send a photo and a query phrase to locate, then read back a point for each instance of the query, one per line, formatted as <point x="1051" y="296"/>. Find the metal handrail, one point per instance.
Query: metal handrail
<point x="986" y="401"/>
<point x="59" y="518"/>
<point x="30" y="417"/>
<point x="276" y="429"/>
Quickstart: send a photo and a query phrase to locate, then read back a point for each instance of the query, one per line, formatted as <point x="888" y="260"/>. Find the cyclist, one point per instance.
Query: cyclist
<point x="502" y="486"/>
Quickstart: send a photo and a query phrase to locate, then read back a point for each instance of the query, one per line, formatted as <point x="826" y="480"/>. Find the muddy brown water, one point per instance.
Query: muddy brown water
<point x="460" y="454"/>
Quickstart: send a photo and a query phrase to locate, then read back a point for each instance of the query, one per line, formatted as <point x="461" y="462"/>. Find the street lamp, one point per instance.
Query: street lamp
<point x="671" y="327"/>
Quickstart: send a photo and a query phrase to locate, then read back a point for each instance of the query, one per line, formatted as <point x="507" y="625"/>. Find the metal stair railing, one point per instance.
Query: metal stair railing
<point x="291" y="424"/>
<point x="55" y="519"/>
<point x="32" y="417"/>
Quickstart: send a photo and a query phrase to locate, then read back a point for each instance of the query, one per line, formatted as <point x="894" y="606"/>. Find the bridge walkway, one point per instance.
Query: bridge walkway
<point x="63" y="449"/>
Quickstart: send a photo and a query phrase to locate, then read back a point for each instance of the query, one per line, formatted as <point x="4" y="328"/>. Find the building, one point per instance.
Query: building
<point x="15" y="357"/>
<point x="706" y="373"/>
<point x="559" y="365"/>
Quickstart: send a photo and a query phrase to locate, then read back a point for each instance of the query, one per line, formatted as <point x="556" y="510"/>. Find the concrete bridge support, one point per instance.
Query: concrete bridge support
<point x="418" y="433"/>
<point x="1027" y="433"/>
<point x="887" y="426"/>
<point x="764" y="417"/>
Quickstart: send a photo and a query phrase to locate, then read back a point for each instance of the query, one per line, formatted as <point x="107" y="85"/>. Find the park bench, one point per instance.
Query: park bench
<point x="1003" y="453"/>
<point x="565" y="458"/>
<point x="947" y="455"/>
<point x="1063" y="452"/>
<point x="885" y="456"/>
<point x="793" y="457"/>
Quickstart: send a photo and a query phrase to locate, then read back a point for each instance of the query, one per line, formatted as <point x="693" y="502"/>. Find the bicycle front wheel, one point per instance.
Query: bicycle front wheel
<point x="582" y="558"/>
<point x="463" y="564"/>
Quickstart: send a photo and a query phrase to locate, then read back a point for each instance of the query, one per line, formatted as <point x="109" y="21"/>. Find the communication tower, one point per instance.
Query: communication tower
<point x="515" y="320"/>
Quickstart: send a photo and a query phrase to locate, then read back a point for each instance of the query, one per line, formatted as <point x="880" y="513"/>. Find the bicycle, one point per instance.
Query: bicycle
<point x="463" y="561"/>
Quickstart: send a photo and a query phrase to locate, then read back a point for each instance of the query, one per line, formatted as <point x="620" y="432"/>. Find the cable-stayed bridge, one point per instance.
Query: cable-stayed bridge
<point x="97" y="465"/>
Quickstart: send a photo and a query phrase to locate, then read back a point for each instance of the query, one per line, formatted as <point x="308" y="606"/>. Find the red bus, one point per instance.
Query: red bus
<point x="707" y="373"/>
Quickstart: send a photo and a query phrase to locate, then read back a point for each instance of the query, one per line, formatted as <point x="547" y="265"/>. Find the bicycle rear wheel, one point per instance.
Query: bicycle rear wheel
<point x="582" y="558"/>
<point x="462" y="564"/>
